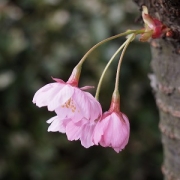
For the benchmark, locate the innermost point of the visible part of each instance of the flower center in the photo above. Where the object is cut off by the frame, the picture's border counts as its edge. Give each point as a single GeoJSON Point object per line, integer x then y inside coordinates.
{"type": "Point", "coordinates": [70, 105]}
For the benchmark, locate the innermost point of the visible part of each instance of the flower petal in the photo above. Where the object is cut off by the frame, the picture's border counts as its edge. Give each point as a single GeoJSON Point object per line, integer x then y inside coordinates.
{"type": "Point", "coordinates": [60, 97]}
{"type": "Point", "coordinates": [99, 131]}
{"type": "Point", "coordinates": [58, 124]}
{"type": "Point", "coordinates": [87, 104]}
{"type": "Point", "coordinates": [73, 131]}
{"type": "Point", "coordinates": [87, 135]}
{"type": "Point", "coordinates": [44, 95]}
{"type": "Point", "coordinates": [51, 120]}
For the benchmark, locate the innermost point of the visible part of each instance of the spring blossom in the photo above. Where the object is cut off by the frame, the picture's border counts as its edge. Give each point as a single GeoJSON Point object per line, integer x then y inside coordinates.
{"type": "Point", "coordinates": [76, 110]}
{"type": "Point", "coordinates": [112, 130]}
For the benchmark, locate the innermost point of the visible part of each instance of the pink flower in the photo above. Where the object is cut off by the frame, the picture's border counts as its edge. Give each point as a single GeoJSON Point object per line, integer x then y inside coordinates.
{"type": "Point", "coordinates": [67, 100]}
{"type": "Point", "coordinates": [81, 130]}
{"type": "Point", "coordinates": [112, 130]}
{"type": "Point", "coordinates": [76, 110]}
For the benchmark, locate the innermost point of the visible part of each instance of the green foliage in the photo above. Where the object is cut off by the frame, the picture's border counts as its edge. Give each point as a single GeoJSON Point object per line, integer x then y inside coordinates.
{"type": "Point", "coordinates": [44, 38]}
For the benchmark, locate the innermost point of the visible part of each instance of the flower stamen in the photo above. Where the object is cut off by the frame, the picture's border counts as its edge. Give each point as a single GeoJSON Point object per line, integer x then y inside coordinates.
{"type": "Point", "coordinates": [70, 105]}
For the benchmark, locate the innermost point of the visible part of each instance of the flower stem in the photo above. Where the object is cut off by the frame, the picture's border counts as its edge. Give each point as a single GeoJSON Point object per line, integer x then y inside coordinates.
{"type": "Point", "coordinates": [105, 69]}
{"type": "Point", "coordinates": [131, 38]}
{"type": "Point", "coordinates": [108, 39]}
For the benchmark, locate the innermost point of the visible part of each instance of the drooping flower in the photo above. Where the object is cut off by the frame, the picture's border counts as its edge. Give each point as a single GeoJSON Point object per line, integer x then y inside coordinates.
{"type": "Point", "coordinates": [76, 109]}
{"type": "Point", "coordinates": [81, 130]}
{"type": "Point", "coordinates": [112, 130]}
{"type": "Point", "coordinates": [67, 100]}
{"type": "Point", "coordinates": [153, 27]}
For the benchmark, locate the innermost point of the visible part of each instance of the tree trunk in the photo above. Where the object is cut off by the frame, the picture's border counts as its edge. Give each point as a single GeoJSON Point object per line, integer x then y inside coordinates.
{"type": "Point", "coordinates": [166, 81]}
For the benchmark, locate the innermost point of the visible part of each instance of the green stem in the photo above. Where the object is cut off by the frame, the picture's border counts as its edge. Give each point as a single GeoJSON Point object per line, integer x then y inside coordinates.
{"type": "Point", "coordinates": [116, 89]}
{"type": "Point", "coordinates": [105, 69]}
{"type": "Point", "coordinates": [108, 39]}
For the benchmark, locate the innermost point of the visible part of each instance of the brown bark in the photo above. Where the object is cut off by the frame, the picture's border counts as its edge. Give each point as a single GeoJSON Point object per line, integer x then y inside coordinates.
{"type": "Point", "coordinates": [166, 85]}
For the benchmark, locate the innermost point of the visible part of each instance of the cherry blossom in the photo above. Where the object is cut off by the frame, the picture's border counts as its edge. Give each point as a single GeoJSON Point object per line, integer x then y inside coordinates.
{"type": "Point", "coordinates": [67, 100]}
{"type": "Point", "coordinates": [112, 130]}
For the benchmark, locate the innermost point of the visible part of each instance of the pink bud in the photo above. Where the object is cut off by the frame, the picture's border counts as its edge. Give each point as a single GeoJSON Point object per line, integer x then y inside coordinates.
{"type": "Point", "coordinates": [153, 27]}
{"type": "Point", "coordinates": [112, 130]}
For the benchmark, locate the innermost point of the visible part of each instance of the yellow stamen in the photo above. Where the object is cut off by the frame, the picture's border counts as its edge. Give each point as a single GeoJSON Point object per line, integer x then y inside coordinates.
{"type": "Point", "coordinates": [70, 105]}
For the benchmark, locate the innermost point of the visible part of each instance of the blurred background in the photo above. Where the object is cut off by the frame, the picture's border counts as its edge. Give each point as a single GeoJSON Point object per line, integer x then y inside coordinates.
{"type": "Point", "coordinates": [44, 38]}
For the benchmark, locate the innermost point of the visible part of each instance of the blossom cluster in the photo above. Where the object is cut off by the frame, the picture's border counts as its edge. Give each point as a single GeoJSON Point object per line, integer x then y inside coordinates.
{"type": "Point", "coordinates": [79, 114]}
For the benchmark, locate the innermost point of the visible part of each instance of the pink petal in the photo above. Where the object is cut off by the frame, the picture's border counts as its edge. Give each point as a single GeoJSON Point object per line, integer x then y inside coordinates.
{"type": "Point", "coordinates": [87, 104]}
{"type": "Point", "coordinates": [51, 120]}
{"type": "Point", "coordinates": [99, 131]}
{"type": "Point", "coordinates": [58, 124]}
{"type": "Point", "coordinates": [87, 135]}
{"type": "Point", "coordinates": [95, 107]}
{"type": "Point", "coordinates": [126, 129]}
{"type": "Point", "coordinates": [63, 112]}
{"type": "Point", "coordinates": [113, 125]}
{"type": "Point", "coordinates": [114, 134]}
{"type": "Point", "coordinates": [73, 131]}
{"type": "Point", "coordinates": [117, 149]}
{"type": "Point", "coordinates": [60, 97]}
{"type": "Point", "coordinates": [44, 95]}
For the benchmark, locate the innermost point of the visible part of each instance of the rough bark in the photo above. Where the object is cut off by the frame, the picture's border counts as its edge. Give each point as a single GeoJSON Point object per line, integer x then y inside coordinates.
{"type": "Point", "coordinates": [166, 81]}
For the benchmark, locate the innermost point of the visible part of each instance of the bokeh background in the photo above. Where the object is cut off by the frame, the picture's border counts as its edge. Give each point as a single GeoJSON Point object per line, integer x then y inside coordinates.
{"type": "Point", "coordinates": [44, 38]}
